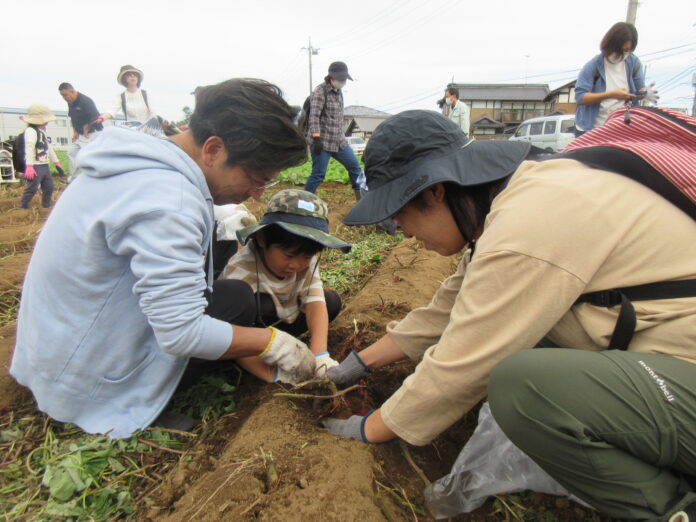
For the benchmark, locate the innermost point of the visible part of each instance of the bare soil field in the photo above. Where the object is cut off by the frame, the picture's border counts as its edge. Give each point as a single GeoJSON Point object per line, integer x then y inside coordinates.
{"type": "Point", "coordinates": [270, 459]}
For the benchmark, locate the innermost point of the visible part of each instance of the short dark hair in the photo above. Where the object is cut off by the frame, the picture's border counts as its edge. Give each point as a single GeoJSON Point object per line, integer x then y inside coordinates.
{"type": "Point", "coordinates": [453, 91]}
{"type": "Point", "coordinates": [65, 86]}
{"type": "Point", "coordinates": [297, 245]}
{"type": "Point", "coordinates": [254, 122]}
{"type": "Point", "coordinates": [616, 37]}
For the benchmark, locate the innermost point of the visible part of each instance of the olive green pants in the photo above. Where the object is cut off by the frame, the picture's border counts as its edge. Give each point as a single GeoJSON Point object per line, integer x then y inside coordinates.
{"type": "Point", "coordinates": [617, 429]}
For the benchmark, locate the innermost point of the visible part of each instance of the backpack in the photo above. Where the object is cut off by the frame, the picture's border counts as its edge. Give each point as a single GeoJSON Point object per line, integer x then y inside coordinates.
{"type": "Point", "coordinates": [123, 102]}
{"type": "Point", "coordinates": [303, 119]}
{"type": "Point", "coordinates": [18, 153]}
{"type": "Point", "coordinates": [657, 148]}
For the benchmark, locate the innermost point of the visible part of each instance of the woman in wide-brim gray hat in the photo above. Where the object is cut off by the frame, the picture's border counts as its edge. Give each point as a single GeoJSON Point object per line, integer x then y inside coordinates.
{"type": "Point", "coordinates": [545, 232]}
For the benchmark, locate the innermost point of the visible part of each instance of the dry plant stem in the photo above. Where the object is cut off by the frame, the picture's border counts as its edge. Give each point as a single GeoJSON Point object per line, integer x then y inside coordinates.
{"type": "Point", "coordinates": [379, 501]}
{"type": "Point", "coordinates": [400, 500]}
{"type": "Point", "coordinates": [508, 508]}
{"type": "Point", "coordinates": [403, 492]}
{"type": "Point", "coordinates": [224, 483]}
{"type": "Point", "coordinates": [157, 446]}
{"type": "Point", "coordinates": [409, 459]}
{"type": "Point", "coordinates": [171, 430]}
{"type": "Point", "coordinates": [310, 396]}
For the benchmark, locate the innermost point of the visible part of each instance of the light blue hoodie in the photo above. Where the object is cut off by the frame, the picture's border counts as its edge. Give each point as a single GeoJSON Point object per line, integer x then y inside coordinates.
{"type": "Point", "coordinates": [113, 301]}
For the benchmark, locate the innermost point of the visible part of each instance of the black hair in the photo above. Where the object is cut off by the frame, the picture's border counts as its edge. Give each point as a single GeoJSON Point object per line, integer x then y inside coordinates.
{"type": "Point", "coordinates": [124, 82]}
{"type": "Point", "coordinates": [297, 245]}
{"type": "Point", "coordinates": [253, 120]}
{"type": "Point", "coordinates": [65, 86]}
{"type": "Point", "coordinates": [616, 37]}
{"type": "Point", "coordinates": [453, 91]}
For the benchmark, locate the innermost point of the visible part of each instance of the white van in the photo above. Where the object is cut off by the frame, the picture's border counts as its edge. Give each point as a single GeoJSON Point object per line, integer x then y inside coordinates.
{"type": "Point", "coordinates": [551, 133]}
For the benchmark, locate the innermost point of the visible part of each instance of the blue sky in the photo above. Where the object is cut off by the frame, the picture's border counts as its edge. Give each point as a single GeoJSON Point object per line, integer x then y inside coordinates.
{"type": "Point", "coordinates": [401, 53]}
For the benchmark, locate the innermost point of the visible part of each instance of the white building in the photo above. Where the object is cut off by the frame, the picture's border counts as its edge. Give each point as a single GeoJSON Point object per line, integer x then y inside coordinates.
{"type": "Point", "coordinates": [59, 132]}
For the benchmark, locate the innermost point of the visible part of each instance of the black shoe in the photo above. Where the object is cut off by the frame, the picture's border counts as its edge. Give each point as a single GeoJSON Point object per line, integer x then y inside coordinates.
{"type": "Point", "coordinates": [174, 421]}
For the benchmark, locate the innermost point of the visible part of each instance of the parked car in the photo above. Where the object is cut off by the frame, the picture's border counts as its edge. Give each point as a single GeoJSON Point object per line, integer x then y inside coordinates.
{"type": "Point", "coordinates": [357, 144]}
{"type": "Point", "coordinates": [551, 133]}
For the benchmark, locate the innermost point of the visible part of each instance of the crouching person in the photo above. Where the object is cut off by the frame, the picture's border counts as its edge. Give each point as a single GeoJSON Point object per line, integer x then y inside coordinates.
{"type": "Point", "coordinates": [104, 344]}
{"type": "Point", "coordinates": [612, 422]}
{"type": "Point", "coordinates": [280, 265]}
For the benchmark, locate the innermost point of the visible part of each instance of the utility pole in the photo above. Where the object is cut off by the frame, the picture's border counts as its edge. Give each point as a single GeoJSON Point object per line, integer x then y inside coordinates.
{"type": "Point", "coordinates": [631, 13]}
{"type": "Point", "coordinates": [311, 51]}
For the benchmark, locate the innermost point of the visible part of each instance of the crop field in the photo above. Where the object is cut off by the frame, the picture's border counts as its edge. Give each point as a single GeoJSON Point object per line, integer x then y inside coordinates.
{"type": "Point", "coordinates": [257, 451]}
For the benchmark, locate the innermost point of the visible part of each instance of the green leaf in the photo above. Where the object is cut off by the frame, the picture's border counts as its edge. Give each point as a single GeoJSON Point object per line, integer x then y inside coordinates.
{"type": "Point", "coordinates": [61, 485]}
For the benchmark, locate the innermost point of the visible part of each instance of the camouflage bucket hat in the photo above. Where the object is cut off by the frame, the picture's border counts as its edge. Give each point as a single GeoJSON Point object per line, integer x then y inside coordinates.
{"type": "Point", "coordinates": [301, 213]}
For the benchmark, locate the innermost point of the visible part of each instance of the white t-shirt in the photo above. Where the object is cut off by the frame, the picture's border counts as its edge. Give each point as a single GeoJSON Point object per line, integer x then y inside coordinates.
{"type": "Point", "coordinates": [615, 74]}
{"type": "Point", "coordinates": [136, 109]}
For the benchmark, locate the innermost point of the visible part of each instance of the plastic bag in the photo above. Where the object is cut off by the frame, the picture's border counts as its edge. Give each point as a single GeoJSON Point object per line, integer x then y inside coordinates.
{"type": "Point", "coordinates": [231, 218]}
{"type": "Point", "coordinates": [489, 464]}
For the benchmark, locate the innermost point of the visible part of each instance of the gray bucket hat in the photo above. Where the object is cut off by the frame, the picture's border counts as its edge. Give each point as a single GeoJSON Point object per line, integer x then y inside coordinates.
{"type": "Point", "coordinates": [301, 213]}
{"type": "Point", "coordinates": [413, 150]}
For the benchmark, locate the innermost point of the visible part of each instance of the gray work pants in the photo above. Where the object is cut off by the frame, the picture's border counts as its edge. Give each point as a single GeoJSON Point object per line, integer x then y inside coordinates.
{"type": "Point", "coordinates": [617, 429]}
{"type": "Point", "coordinates": [42, 179]}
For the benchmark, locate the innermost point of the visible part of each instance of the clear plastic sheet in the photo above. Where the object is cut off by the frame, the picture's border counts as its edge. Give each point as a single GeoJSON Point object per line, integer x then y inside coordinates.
{"type": "Point", "coordinates": [489, 464]}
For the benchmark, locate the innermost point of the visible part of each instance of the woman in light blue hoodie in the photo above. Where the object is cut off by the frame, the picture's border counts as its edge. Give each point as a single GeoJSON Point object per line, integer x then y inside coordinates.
{"type": "Point", "coordinates": [104, 342]}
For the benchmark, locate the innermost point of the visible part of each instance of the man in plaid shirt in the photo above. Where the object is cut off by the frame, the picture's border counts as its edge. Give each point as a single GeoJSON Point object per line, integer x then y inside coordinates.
{"type": "Point", "coordinates": [325, 133]}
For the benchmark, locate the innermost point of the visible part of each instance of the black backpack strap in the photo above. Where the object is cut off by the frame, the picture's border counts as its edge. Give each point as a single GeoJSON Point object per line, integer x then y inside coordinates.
{"type": "Point", "coordinates": [123, 105]}
{"type": "Point", "coordinates": [626, 322]}
{"type": "Point", "coordinates": [145, 98]}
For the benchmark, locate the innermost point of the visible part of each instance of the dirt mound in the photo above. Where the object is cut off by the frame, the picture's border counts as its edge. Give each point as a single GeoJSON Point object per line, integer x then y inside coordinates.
{"type": "Point", "coordinates": [282, 466]}
{"type": "Point", "coordinates": [319, 475]}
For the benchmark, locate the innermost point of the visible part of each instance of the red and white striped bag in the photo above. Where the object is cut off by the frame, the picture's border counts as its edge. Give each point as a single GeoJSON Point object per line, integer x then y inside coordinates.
{"type": "Point", "coordinates": [663, 138]}
{"type": "Point", "coordinates": [656, 147]}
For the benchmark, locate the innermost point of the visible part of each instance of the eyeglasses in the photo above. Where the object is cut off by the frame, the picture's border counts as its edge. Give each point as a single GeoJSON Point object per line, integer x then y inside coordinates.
{"type": "Point", "coordinates": [265, 185]}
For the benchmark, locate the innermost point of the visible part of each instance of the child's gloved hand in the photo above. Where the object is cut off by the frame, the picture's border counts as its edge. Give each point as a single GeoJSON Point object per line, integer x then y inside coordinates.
{"type": "Point", "coordinates": [349, 372]}
{"type": "Point", "coordinates": [323, 363]}
{"type": "Point", "coordinates": [30, 172]}
{"type": "Point", "coordinates": [290, 355]}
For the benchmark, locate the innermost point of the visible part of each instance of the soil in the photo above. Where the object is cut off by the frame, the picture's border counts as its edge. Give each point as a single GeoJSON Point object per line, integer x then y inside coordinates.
{"type": "Point", "coordinates": [271, 460]}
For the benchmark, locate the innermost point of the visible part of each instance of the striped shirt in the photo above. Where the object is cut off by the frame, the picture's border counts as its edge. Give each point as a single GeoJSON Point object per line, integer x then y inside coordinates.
{"type": "Point", "coordinates": [326, 117]}
{"type": "Point", "coordinates": [289, 295]}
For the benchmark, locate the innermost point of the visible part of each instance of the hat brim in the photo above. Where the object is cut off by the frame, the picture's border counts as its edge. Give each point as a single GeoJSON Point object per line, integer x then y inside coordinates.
{"type": "Point", "coordinates": [324, 239]}
{"type": "Point", "coordinates": [121, 74]}
{"type": "Point", "coordinates": [341, 76]}
{"type": "Point", "coordinates": [475, 163]}
{"type": "Point", "coordinates": [38, 121]}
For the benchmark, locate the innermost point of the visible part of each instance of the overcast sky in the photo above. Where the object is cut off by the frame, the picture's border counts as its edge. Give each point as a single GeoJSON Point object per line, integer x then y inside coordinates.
{"type": "Point", "coordinates": [400, 53]}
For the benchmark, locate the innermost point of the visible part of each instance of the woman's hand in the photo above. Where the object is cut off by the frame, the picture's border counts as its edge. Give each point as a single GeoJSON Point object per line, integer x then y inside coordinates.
{"type": "Point", "coordinates": [369, 428]}
{"type": "Point", "coordinates": [620, 94]}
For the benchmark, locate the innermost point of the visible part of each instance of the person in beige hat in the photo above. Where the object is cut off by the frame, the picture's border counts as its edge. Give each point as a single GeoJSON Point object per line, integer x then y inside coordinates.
{"type": "Point", "coordinates": [133, 103]}
{"type": "Point", "coordinates": [37, 152]}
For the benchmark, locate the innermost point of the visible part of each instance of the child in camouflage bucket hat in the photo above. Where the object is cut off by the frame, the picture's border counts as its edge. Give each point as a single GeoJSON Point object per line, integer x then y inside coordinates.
{"type": "Point", "coordinates": [281, 265]}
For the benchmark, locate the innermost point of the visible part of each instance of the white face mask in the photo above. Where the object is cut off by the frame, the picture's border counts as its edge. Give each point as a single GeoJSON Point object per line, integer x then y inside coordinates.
{"type": "Point", "coordinates": [338, 85]}
{"type": "Point", "coordinates": [448, 101]}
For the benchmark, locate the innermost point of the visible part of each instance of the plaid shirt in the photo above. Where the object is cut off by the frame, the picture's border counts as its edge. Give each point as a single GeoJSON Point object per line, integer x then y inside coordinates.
{"type": "Point", "coordinates": [326, 117]}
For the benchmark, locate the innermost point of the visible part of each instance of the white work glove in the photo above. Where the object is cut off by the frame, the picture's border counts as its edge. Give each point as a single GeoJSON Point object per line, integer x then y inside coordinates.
{"type": "Point", "coordinates": [323, 363]}
{"type": "Point", "coordinates": [650, 96]}
{"type": "Point", "coordinates": [290, 355]}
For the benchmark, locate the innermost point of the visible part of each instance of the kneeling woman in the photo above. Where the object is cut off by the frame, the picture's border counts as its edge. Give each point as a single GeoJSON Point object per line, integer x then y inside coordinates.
{"type": "Point", "coordinates": [614, 427]}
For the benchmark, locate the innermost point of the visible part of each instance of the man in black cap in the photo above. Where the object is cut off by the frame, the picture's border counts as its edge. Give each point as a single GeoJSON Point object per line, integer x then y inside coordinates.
{"type": "Point", "coordinates": [325, 132]}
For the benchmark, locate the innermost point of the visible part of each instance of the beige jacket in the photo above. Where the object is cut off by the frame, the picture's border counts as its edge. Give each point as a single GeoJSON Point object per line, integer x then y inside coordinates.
{"type": "Point", "coordinates": [559, 229]}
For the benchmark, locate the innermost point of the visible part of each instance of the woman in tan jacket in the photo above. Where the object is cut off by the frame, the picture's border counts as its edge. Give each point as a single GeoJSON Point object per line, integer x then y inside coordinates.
{"type": "Point", "coordinates": [614, 426]}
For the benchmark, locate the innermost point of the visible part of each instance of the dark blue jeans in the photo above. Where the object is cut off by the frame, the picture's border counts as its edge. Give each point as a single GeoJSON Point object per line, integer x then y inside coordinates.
{"type": "Point", "coordinates": [345, 157]}
{"type": "Point", "coordinates": [42, 179]}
